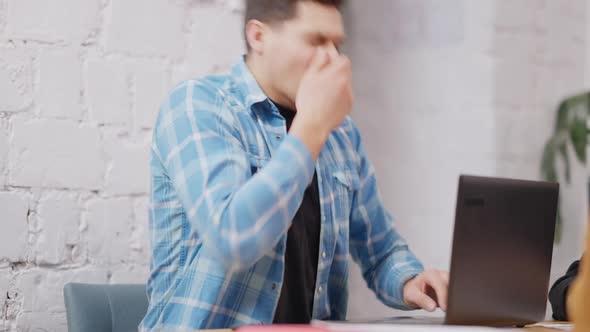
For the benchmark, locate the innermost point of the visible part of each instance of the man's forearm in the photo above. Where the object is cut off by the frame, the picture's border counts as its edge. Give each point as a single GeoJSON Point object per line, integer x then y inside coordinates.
{"type": "Point", "coordinates": [253, 219]}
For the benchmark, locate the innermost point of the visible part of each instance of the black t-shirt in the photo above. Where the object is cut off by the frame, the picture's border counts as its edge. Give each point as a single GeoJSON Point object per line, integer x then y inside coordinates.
{"type": "Point", "coordinates": [559, 292]}
{"type": "Point", "coordinates": [301, 254]}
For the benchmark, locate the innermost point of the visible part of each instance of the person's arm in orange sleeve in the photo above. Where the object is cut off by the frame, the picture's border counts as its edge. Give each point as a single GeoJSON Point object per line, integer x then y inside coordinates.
{"type": "Point", "coordinates": [578, 301]}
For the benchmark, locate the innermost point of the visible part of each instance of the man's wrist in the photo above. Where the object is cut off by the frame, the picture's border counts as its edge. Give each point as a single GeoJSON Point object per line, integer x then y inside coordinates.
{"type": "Point", "coordinates": [406, 284]}
{"type": "Point", "coordinates": [313, 136]}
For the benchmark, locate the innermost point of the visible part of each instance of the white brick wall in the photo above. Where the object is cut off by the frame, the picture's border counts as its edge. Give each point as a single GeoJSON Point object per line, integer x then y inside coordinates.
{"type": "Point", "coordinates": [147, 28]}
{"type": "Point", "coordinates": [69, 21]}
{"type": "Point", "coordinates": [55, 154]}
{"type": "Point", "coordinates": [58, 227]}
{"type": "Point", "coordinates": [109, 219]}
{"type": "Point", "coordinates": [587, 71]}
{"type": "Point", "coordinates": [80, 86]}
{"type": "Point", "coordinates": [462, 86]}
{"type": "Point", "coordinates": [3, 150]}
{"type": "Point", "coordinates": [15, 79]}
{"type": "Point", "coordinates": [14, 235]}
{"type": "Point", "coordinates": [60, 84]}
{"type": "Point", "coordinates": [108, 91]}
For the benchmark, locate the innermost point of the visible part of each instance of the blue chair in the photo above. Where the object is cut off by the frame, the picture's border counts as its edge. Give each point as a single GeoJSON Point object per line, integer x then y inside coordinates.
{"type": "Point", "coordinates": [114, 308]}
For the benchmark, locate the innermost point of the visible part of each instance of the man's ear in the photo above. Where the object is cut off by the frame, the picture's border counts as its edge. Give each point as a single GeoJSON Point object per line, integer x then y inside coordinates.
{"type": "Point", "coordinates": [255, 35]}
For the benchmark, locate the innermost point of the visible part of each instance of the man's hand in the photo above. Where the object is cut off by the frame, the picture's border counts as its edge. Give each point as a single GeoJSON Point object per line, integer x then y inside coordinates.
{"type": "Point", "coordinates": [324, 98]}
{"type": "Point", "coordinates": [428, 290]}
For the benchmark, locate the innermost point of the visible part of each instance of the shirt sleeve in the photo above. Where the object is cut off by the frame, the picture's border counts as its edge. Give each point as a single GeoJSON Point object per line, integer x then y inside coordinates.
{"type": "Point", "coordinates": [383, 255]}
{"type": "Point", "coordinates": [239, 216]}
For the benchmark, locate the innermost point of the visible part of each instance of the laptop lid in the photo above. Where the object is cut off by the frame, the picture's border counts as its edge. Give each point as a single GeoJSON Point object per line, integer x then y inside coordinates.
{"type": "Point", "coordinates": [502, 249]}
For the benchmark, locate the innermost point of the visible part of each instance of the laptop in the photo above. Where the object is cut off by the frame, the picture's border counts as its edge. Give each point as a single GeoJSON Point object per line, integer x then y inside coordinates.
{"type": "Point", "coordinates": [501, 253]}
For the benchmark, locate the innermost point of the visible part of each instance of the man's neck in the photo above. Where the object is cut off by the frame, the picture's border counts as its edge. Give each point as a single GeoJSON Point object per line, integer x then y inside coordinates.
{"type": "Point", "coordinates": [263, 81]}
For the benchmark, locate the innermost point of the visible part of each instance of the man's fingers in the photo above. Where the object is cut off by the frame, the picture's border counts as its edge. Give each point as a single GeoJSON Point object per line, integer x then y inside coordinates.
{"type": "Point", "coordinates": [440, 288]}
{"type": "Point", "coordinates": [320, 60]}
{"type": "Point", "coordinates": [332, 52]}
{"type": "Point", "coordinates": [423, 301]}
{"type": "Point", "coordinates": [445, 277]}
{"type": "Point", "coordinates": [342, 64]}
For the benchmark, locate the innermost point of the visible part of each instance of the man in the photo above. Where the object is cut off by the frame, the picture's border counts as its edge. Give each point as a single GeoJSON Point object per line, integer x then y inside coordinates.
{"type": "Point", "coordinates": [261, 188]}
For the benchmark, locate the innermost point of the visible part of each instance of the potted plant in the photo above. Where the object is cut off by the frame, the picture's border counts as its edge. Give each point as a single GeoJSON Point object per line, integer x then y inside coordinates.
{"type": "Point", "coordinates": [571, 127]}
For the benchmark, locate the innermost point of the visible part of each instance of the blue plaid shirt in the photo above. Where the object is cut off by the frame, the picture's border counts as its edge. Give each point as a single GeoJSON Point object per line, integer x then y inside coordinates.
{"type": "Point", "coordinates": [227, 180]}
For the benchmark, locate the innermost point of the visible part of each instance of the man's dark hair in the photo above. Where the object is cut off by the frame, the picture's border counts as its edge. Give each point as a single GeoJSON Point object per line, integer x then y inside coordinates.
{"type": "Point", "coordinates": [277, 11]}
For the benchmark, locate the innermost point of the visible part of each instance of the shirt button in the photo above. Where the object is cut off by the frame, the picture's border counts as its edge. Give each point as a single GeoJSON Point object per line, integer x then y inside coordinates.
{"type": "Point", "coordinates": [324, 254]}
{"type": "Point", "coordinates": [278, 136]}
{"type": "Point", "coordinates": [319, 289]}
{"type": "Point", "coordinates": [274, 286]}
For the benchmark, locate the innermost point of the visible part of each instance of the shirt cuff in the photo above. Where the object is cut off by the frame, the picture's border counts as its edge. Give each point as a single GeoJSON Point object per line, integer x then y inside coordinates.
{"type": "Point", "coordinates": [300, 155]}
{"type": "Point", "coordinates": [399, 276]}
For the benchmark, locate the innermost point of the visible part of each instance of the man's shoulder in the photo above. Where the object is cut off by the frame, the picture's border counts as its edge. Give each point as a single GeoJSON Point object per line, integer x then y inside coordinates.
{"type": "Point", "coordinates": [209, 94]}
{"type": "Point", "coordinates": [211, 88]}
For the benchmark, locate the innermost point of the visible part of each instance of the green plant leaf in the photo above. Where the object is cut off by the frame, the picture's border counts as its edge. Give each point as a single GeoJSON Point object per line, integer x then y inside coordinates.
{"type": "Point", "coordinates": [566, 160]}
{"type": "Point", "coordinates": [548, 170]}
{"type": "Point", "coordinates": [579, 137]}
{"type": "Point", "coordinates": [561, 122]}
{"type": "Point", "coordinates": [570, 125]}
{"type": "Point", "coordinates": [558, 227]}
